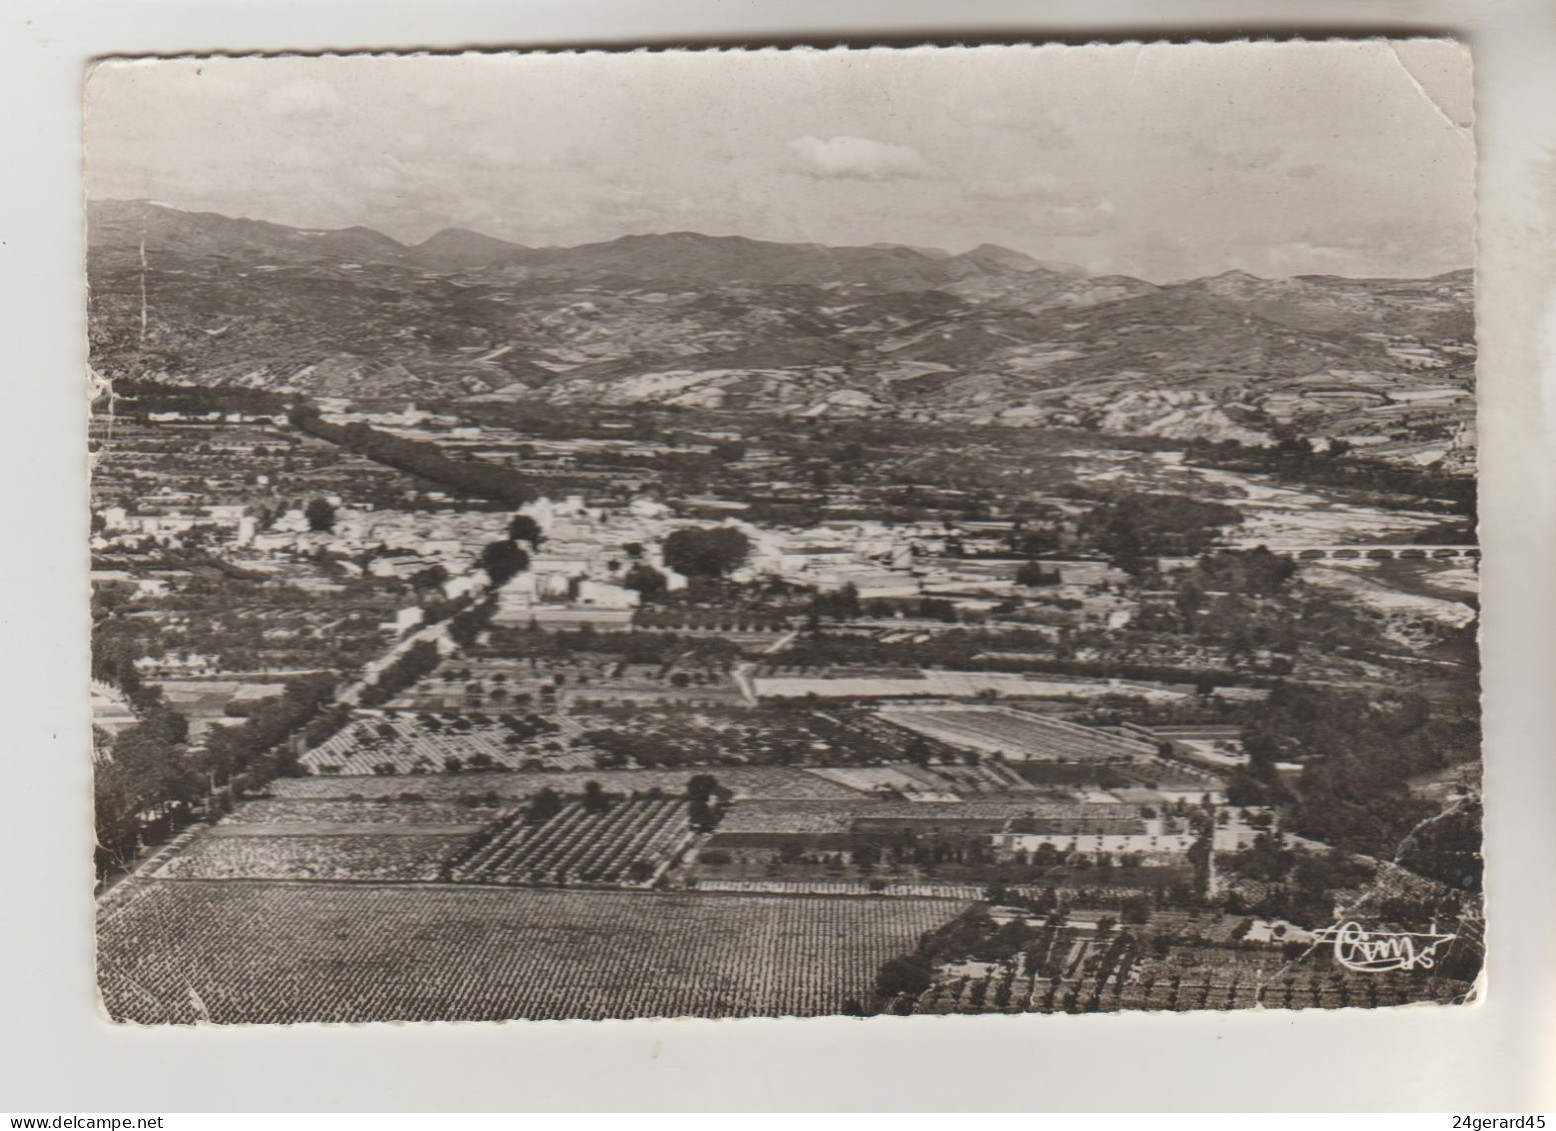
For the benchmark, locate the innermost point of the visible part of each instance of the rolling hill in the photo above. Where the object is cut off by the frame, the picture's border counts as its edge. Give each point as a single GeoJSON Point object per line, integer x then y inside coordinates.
{"type": "Point", "coordinates": [990, 335]}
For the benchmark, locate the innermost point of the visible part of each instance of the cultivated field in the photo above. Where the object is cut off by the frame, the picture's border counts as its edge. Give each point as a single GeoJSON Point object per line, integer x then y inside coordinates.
{"type": "Point", "coordinates": [375, 743]}
{"type": "Point", "coordinates": [265, 952]}
{"type": "Point", "coordinates": [877, 814]}
{"type": "Point", "coordinates": [775, 782]}
{"type": "Point", "coordinates": [900, 778]}
{"type": "Point", "coordinates": [1016, 734]}
{"type": "Point", "coordinates": [334, 856]}
{"type": "Point", "coordinates": [379, 811]}
{"type": "Point", "coordinates": [936, 780]}
{"type": "Point", "coordinates": [422, 742]}
{"type": "Point", "coordinates": [525, 681]}
{"type": "Point", "coordinates": [631, 843]}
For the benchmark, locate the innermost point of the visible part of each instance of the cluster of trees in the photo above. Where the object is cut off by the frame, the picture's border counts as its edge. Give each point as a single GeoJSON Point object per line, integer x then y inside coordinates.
{"type": "Point", "coordinates": [968, 649]}
{"type": "Point", "coordinates": [844, 604]}
{"type": "Point", "coordinates": [143, 778]}
{"type": "Point", "coordinates": [417, 661]}
{"type": "Point", "coordinates": [629, 647]}
{"type": "Point", "coordinates": [1266, 859]}
{"type": "Point", "coordinates": [1359, 753]}
{"type": "Point", "coordinates": [1239, 625]}
{"type": "Point", "coordinates": [567, 422]}
{"type": "Point", "coordinates": [1242, 788]}
{"type": "Point", "coordinates": [258, 751]}
{"type": "Point", "coordinates": [976, 936]}
{"type": "Point", "coordinates": [1258, 572]}
{"type": "Point", "coordinates": [706, 553]}
{"type": "Point", "coordinates": [469, 476]}
{"type": "Point", "coordinates": [147, 785]}
{"type": "Point", "coordinates": [837, 604]}
{"type": "Point", "coordinates": [466, 626]}
{"type": "Point", "coordinates": [116, 645]}
{"type": "Point", "coordinates": [1299, 886]}
{"type": "Point", "coordinates": [1448, 848]}
{"type": "Point", "coordinates": [969, 858]}
{"type": "Point", "coordinates": [1245, 602]}
{"type": "Point", "coordinates": [647, 581]}
{"type": "Point", "coordinates": [140, 396]}
{"type": "Point", "coordinates": [906, 976]}
{"type": "Point", "coordinates": [1136, 527]}
{"type": "Point", "coordinates": [648, 750]}
{"type": "Point", "coordinates": [503, 560]}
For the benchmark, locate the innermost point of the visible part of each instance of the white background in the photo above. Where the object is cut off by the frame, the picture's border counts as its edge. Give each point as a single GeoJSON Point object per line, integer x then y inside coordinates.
{"type": "Point", "coordinates": [58, 1056]}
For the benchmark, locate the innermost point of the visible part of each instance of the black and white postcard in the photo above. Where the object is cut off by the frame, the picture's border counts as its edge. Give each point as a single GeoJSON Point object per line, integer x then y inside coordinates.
{"type": "Point", "coordinates": [784, 533]}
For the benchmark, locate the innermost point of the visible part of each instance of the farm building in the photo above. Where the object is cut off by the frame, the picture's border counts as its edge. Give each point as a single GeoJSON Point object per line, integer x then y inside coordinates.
{"type": "Point", "coordinates": [1158, 840]}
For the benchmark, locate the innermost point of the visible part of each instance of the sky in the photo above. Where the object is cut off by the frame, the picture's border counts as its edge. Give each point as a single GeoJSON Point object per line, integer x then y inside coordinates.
{"type": "Point", "coordinates": [1160, 161]}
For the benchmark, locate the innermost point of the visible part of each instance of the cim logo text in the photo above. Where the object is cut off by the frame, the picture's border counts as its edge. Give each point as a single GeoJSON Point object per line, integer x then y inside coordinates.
{"type": "Point", "coordinates": [1374, 952]}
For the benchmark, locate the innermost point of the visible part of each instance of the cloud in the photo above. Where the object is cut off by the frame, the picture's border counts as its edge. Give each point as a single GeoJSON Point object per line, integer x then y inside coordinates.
{"type": "Point", "coordinates": [860, 159]}
{"type": "Point", "coordinates": [1042, 203]}
{"type": "Point", "coordinates": [1075, 219]}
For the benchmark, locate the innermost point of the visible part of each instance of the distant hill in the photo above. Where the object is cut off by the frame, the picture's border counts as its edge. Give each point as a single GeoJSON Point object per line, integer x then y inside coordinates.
{"type": "Point", "coordinates": [932, 252]}
{"type": "Point", "coordinates": [688, 257]}
{"type": "Point", "coordinates": [129, 223]}
{"type": "Point", "coordinates": [1004, 259]}
{"type": "Point", "coordinates": [459, 248]}
{"type": "Point", "coordinates": [990, 335]}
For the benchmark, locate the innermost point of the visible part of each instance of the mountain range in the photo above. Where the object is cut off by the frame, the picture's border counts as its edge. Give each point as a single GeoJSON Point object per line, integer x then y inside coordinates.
{"type": "Point", "coordinates": [989, 335]}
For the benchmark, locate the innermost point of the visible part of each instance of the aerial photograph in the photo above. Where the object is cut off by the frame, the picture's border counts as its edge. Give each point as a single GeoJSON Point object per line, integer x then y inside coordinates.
{"type": "Point", "coordinates": [789, 533]}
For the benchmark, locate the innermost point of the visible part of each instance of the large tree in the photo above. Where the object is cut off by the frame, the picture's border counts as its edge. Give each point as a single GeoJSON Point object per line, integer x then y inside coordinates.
{"type": "Point", "coordinates": [645, 579]}
{"type": "Point", "coordinates": [594, 798]}
{"type": "Point", "coordinates": [320, 514]}
{"type": "Point", "coordinates": [543, 806]}
{"type": "Point", "coordinates": [706, 553]}
{"type": "Point", "coordinates": [503, 561]}
{"type": "Point", "coordinates": [523, 528]}
{"type": "Point", "coordinates": [911, 974]}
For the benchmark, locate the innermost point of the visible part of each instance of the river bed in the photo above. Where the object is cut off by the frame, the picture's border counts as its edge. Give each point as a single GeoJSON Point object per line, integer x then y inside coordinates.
{"type": "Point", "coordinates": [1288, 518]}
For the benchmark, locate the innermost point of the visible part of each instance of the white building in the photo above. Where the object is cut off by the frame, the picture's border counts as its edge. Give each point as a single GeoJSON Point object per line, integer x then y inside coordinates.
{"type": "Point", "coordinates": [1154, 841]}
